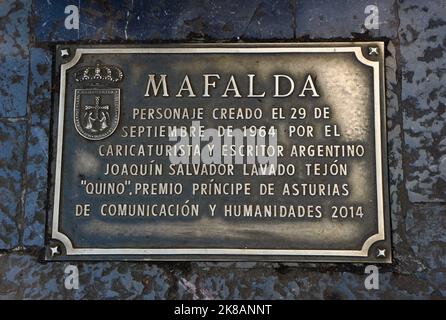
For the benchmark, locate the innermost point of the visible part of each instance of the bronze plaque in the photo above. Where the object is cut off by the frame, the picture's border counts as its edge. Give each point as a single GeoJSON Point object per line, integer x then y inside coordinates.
{"type": "Point", "coordinates": [220, 152]}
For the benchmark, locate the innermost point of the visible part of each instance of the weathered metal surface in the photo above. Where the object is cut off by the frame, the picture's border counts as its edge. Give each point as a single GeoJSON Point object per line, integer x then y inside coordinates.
{"type": "Point", "coordinates": [320, 106]}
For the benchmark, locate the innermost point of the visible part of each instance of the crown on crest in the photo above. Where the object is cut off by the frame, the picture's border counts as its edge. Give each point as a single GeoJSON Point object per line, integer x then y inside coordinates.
{"type": "Point", "coordinates": [99, 73]}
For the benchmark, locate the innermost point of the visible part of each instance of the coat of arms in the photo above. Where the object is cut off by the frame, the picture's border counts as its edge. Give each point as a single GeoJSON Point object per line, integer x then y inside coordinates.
{"type": "Point", "coordinates": [97, 110]}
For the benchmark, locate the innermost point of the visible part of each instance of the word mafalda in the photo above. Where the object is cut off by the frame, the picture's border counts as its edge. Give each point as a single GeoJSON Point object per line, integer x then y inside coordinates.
{"type": "Point", "coordinates": [284, 86]}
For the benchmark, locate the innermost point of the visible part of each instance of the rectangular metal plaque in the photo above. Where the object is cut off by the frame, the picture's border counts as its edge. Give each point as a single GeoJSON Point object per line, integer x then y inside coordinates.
{"type": "Point", "coordinates": [220, 152]}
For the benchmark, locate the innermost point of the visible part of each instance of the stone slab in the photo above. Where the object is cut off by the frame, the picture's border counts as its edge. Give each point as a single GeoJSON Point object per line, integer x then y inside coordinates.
{"type": "Point", "coordinates": [38, 148]}
{"type": "Point", "coordinates": [12, 146]}
{"type": "Point", "coordinates": [423, 49]}
{"type": "Point", "coordinates": [167, 20]}
{"type": "Point", "coordinates": [14, 57]}
{"type": "Point", "coordinates": [319, 19]}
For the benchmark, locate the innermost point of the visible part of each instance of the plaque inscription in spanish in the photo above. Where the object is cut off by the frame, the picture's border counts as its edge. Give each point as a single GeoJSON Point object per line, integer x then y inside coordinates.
{"type": "Point", "coordinates": [220, 152]}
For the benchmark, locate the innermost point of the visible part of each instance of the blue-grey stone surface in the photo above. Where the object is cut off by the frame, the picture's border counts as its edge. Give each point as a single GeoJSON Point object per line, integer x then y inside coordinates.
{"type": "Point", "coordinates": [423, 58]}
{"type": "Point", "coordinates": [12, 152]}
{"type": "Point", "coordinates": [167, 20]}
{"type": "Point", "coordinates": [39, 96]}
{"type": "Point", "coordinates": [425, 226]}
{"type": "Point", "coordinates": [321, 19]}
{"type": "Point", "coordinates": [415, 34]}
{"type": "Point", "coordinates": [49, 21]}
{"type": "Point", "coordinates": [25, 277]}
{"type": "Point", "coordinates": [14, 42]}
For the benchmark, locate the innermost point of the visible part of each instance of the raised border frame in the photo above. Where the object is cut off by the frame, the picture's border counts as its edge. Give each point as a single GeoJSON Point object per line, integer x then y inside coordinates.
{"type": "Point", "coordinates": [362, 255]}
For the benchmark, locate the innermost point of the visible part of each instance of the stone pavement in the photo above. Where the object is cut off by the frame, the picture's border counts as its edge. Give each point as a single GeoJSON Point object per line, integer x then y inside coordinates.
{"type": "Point", "coordinates": [415, 32]}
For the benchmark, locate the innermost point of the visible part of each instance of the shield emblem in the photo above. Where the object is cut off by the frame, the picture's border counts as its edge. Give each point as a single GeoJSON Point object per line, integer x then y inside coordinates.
{"type": "Point", "coordinates": [96, 112]}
